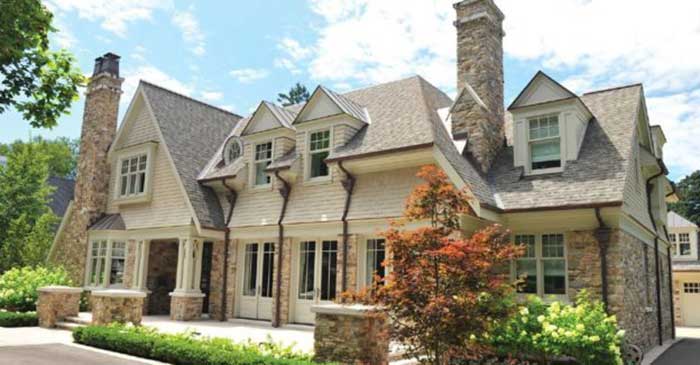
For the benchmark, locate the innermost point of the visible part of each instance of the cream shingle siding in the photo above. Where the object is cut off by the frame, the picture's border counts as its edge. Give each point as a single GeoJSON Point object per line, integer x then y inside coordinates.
{"type": "Point", "coordinates": [167, 206]}
{"type": "Point", "coordinates": [634, 195]}
{"type": "Point", "coordinates": [382, 194]}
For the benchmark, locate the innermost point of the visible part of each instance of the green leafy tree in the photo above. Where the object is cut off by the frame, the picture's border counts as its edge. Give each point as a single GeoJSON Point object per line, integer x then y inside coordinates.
{"type": "Point", "coordinates": [26, 222]}
{"type": "Point", "coordinates": [444, 289]}
{"type": "Point", "coordinates": [39, 83]}
{"type": "Point", "coordinates": [689, 191]}
{"type": "Point", "coordinates": [62, 153]}
{"type": "Point", "coordinates": [297, 94]}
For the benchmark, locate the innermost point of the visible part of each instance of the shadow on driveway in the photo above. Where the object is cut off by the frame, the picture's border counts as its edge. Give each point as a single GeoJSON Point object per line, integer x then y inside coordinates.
{"type": "Point", "coordinates": [58, 354]}
{"type": "Point", "coordinates": [684, 352]}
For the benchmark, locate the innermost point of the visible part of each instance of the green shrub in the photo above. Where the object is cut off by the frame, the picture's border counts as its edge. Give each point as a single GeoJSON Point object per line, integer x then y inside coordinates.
{"type": "Point", "coordinates": [18, 286]}
{"type": "Point", "coordinates": [18, 319]}
{"type": "Point", "coordinates": [186, 348]}
{"type": "Point", "coordinates": [545, 331]}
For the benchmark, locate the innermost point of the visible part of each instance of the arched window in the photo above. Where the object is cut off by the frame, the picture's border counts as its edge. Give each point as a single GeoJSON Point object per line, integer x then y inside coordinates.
{"type": "Point", "coordinates": [233, 150]}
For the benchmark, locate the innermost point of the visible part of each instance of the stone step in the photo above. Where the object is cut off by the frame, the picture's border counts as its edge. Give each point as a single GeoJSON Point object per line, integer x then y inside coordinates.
{"type": "Point", "coordinates": [68, 326]}
{"type": "Point", "coordinates": [77, 320]}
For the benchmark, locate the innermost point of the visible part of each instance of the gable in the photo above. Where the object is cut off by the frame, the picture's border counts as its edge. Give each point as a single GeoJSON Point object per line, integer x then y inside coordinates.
{"type": "Point", "coordinates": [320, 105]}
{"type": "Point", "coordinates": [266, 117]}
{"type": "Point", "coordinates": [137, 126]}
{"type": "Point", "coordinates": [541, 89]}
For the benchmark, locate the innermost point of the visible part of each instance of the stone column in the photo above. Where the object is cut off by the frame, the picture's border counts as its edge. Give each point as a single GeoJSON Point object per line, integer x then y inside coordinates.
{"type": "Point", "coordinates": [286, 275]}
{"type": "Point", "coordinates": [350, 334]}
{"type": "Point", "coordinates": [56, 303]}
{"type": "Point", "coordinates": [117, 305]}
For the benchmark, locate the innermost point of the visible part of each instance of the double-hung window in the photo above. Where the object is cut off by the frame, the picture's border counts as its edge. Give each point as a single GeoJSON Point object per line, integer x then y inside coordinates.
{"type": "Point", "coordinates": [375, 256]}
{"type": "Point", "coordinates": [132, 176]}
{"type": "Point", "coordinates": [106, 263]}
{"type": "Point", "coordinates": [263, 157]}
{"type": "Point", "coordinates": [683, 244]}
{"type": "Point", "coordinates": [543, 265]}
{"type": "Point", "coordinates": [319, 148]}
{"type": "Point", "coordinates": [674, 243]}
{"type": "Point", "coordinates": [544, 142]}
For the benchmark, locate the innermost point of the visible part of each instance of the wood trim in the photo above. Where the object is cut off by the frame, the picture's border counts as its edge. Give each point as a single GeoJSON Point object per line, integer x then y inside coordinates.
{"type": "Point", "coordinates": [379, 153]}
{"type": "Point", "coordinates": [556, 207]}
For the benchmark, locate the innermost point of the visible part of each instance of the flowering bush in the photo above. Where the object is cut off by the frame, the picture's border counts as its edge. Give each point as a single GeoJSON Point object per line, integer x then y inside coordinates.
{"type": "Point", "coordinates": [545, 331]}
{"type": "Point", "coordinates": [18, 286]}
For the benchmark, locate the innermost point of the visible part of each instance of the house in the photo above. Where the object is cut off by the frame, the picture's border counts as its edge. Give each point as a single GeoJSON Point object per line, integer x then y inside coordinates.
{"type": "Point", "coordinates": [62, 195]}
{"type": "Point", "coordinates": [683, 236]}
{"type": "Point", "coordinates": [264, 216]}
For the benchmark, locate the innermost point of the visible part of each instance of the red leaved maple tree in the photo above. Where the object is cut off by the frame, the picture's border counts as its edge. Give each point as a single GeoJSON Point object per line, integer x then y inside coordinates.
{"type": "Point", "coordinates": [443, 288]}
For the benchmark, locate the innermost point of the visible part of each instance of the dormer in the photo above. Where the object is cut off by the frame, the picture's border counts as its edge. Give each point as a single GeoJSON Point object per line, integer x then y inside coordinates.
{"type": "Point", "coordinates": [268, 136]}
{"type": "Point", "coordinates": [327, 121]}
{"type": "Point", "coordinates": [549, 123]}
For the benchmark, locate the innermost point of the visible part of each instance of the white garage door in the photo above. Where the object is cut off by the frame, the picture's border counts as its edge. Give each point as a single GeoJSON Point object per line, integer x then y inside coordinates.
{"type": "Point", "coordinates": [690, 303]}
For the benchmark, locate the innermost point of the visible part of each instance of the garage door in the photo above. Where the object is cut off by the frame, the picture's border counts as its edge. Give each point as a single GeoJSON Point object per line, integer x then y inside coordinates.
{"type": "Point", "coordinates": [690, 303]}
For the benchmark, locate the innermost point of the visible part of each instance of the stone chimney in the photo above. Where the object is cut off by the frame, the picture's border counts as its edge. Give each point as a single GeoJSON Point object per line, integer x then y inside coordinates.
{"type": "Point", "coordinates": [477, 115]}
{"type": "Point", "coordinates": [92, 184]}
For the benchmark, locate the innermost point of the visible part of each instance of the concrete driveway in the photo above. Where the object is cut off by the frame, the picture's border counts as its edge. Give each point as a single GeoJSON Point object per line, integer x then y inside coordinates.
{"type": "Point", "coordinates": [685, 351]}
{"type": "Point", "coordinates": [59, 354]}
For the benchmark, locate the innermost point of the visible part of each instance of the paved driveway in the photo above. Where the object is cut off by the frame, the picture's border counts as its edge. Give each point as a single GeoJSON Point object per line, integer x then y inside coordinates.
{"type": "Point", "coordinates": [685, 351]}
{"type": "Point", "coordinates": [59, 354]}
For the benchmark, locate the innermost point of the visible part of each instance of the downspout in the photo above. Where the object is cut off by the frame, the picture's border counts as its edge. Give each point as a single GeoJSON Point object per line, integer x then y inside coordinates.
{"type": "Point", "coordinates": [670, 288]}
{"type": "Point", "coordinates": [348, 185]}
{"type": "Point", "coordinates": [602, 234]}
{"type": "Point", "coordinates": [227, 238]}
{"type": "Point", "coordinates": [659, 319]}
{"type": "Point", "coordinates": [284, 191]}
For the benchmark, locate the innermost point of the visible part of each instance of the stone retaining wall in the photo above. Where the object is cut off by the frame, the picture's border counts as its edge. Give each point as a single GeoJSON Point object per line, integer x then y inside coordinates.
{"type": "Point", "coordinates": [122, 306]}
{"type": "Point", "coordinates": [56, 303]}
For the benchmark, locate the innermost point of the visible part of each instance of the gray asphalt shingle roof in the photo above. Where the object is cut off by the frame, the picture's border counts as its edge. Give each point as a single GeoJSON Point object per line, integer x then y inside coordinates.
{"type": "Point", "coordinates": [193, 132]}
{"type": "Point", "coordinates": [64, 189]}
{"type": "Point", "coordinates": [599, 173]}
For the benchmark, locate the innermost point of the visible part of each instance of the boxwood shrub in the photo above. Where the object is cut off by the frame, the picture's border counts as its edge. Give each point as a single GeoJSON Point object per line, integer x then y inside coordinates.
{"type": "Point", "coordinates": [18, 319]}
{"type": "Point", "coordinates": [186, 348]}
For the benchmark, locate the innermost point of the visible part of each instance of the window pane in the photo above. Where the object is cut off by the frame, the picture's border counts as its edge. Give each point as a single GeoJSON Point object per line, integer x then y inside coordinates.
{"type": "Point", "coordinates": [545, 151]}
{"type": "Point", "coordinates": [141, 182]}
{"type": "Point", "coordinates": [672, 237]}
{"type": "Point", "coordinates": [375, 258]}
{"type": "Point", "coordinates": [267, 269]}
{"type": "Point", "coordinates": [553, 245]}
{"type": "Point", "coordinates": [685, 249]}
{"type": "Point", "coordinates": [329, 263]}
{"type": "Point", "coordinates": [319, 140]}
{"type": "Point", "coordinates": [132, 164]}
{"type": "Point", "coordinates": [132, 184]}
{"type": "Point", "coordinates": [529, 242]}
{"type": "Point", "coordinates": [307, 257]}
{"type": "Point", "coordinates": [250, 273]}
{"type": "Point", "coordinates": [526, 269]}
{"type": "Point", "coordinates": [118, 250]}
{"type": "Point", "coordinates": [261, 177]}
{"type": "Point", "coordinates": [263, 151]}
{"type": "Point", "coordinates": [318, 165]}
{"type": "Point", "coordinates": [116, 273]}
{"type": "Point", "coordinates": [554, 276]}
{"type": "Point", "coordinates": [123, 185]}
{"type": "Point", "coordinates": [142, 163]}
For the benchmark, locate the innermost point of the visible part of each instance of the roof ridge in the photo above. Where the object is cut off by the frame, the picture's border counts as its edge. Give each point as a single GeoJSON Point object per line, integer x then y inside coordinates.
{"type": "Point", "coordinates": [380, 84]}
{"type": "Point", "coordinates": [189, 98]}
{"type": "Point", "coordinates": [613, 88]}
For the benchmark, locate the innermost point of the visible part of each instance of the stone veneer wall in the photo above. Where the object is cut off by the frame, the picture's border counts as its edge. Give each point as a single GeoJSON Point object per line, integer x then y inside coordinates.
{"type": "Point", "coordinates": [56, 303]}
{"type": "Point", "coordinates": [285, 288]}
{"type": "Point", "coordinates": [231, 283]}
{"type": "Point", "coordinates": [351, 273]}
{"type": "Point", "coordinates": [186, 307]}
{"type": "Point", "coordinates": [118, 307]}
{"type": "Point", "coordinates": [631, 283]}
{"type": "Point", "coordinates": [216, 279]}
{"type": "Point", "coordinates": [130, 264]}
{"type": "Point", "coordinates": [351, 339]}
{"type": "Point", "coordinates": [162, 276]}
{"type": "Point", "coordinates": [92, 184]}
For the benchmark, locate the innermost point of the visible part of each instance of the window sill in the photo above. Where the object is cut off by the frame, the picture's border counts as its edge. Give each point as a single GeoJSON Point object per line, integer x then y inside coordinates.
{"type": "Point", "coordinates": [133, 199]}
{"type": "Point", "coordinates": [318, 180]}
{"type": "Point", "coordinates": [555, 170]}
{"type": "Point", "coordinates": [547, 298]}
{"type": "Point", "coordinates": [260, 188]}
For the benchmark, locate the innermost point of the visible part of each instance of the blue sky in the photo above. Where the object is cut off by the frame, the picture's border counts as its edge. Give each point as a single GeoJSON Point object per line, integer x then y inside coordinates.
{"type": "Point", "coordinates": [234, 53]}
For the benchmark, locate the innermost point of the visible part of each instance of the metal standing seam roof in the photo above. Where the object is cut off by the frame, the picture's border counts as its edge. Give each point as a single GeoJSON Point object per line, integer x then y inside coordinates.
{"type": "Point", "coordinates": [675, 220]}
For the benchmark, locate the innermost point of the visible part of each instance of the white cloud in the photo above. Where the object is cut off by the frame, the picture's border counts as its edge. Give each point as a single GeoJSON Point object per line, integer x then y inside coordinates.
{"type": "Point", "coordinates": [113, 16]}
{"type": "Point", "coordinates": [191, 32]}
{"type": "Point", "coordinates": [287, 64]}
{"type": "Point", "coordinates": [292, 48]}
{"type": "Point", "coordinates": [247, 75]}
{"type": "Point", "coordinates": [155, 76]}
{"type": "Point", "coordinates": [211, 95]}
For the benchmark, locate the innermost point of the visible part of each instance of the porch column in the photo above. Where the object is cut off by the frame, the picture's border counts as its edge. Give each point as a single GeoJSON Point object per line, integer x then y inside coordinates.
{"type": "Point", "coordinates": [197, 268]}
{"type": "Point", "coordinates": [141, 264]}
{"type": "Point", "coordinates": [186, 301]}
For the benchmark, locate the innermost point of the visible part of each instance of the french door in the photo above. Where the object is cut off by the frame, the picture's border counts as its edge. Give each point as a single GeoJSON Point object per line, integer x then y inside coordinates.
{"type": "Point", "coordinates": [257, 261]}
{"type": "Point", "coordinates": [316, 275]}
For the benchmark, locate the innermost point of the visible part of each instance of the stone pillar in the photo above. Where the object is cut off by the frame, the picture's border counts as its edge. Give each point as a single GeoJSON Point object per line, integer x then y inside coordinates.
{"type": "Point", "coordinates": [286, 275]}
{"type": "Point", "coordinates": [186, 306]}
{"type": "Point", "coordinates": [56, 303]}
{"type": "Point", "coordinates": [117, 305]}
{"type": "Point", "coordinates": [350, 334]}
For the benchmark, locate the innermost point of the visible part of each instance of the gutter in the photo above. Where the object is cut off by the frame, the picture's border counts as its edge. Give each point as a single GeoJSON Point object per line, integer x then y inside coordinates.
{"type": "Point", "coordinates": [602, 234]}
{"type": "Point", "coordinates": [348, 185]}
{"type": "Point", "coordinates": [659, 319]}
{"type": "Point", "coordinates": [227, 238]}
{"type": "Point", "coordinates": [284, 191]}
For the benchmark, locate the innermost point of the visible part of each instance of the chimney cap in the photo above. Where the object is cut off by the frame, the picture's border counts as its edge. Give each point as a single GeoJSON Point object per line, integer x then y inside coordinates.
{"type": "Point", "coordinates": [107, 63]}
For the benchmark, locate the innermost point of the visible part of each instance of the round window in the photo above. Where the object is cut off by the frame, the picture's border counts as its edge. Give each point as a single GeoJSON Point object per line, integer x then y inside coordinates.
{"type": "Point", "coordinates": [233, 150]}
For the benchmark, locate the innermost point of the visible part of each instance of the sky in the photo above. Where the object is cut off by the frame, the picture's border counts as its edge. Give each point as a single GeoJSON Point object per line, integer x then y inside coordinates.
{"type": "Point", "coordinates": [233, 54]}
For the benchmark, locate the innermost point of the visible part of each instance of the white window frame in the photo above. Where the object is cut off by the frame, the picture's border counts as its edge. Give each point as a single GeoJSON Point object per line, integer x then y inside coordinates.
{"type": "Point", "coordinates": [149, 151]}
{"type": "Point", "coordinates": [362, 260]}
{"type": "Point", "coordinates": [309, 152]}
{"type": "Point", "coordinates": [105, 264]}
{"type": "Point", "coordinates": [125, 178]}
{"type": "Point", "coordinates": [675, 241]}
{"type": "Point", "coordinates": [253, 179]}
{"type": "Point", "coordinates": [531, 141]}
{"type": "Point", "coordinates": [233, 141]}
{"type": "Point", "coordinates": [539, 259]}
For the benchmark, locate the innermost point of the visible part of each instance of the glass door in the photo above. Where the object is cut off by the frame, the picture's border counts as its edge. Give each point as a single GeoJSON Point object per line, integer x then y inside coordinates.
{"type": "Point", "coordinates": [316, 277]}
{"type": "Point", "coordinates": [257, 280]}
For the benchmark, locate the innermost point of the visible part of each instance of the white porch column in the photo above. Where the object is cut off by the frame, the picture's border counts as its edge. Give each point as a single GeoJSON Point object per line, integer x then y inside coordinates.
{"type": "Point", "coordinates": [180, 263]}
{"type": "Point", "coordinates": [187, 266]}
{"type": "Point", "coordinates": [198, 249]}
{"type": "Point", "coordinates": [141, 264]}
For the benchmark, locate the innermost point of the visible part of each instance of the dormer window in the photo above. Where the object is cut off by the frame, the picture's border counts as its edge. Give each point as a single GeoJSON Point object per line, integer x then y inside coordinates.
{"type": "Point", "coordinates": [233, 150]}
{"type": "Point", "coordinates": [319, 148]}
{"type": "Point", "coordinates": [263, 157]}
{"type": "Point", "coordinates": [132, 176]}
{"type": "Point", "coordinates": [544, 143]}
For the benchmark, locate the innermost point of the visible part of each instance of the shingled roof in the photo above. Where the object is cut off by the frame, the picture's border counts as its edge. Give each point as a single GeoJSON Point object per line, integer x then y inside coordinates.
{"type": "Point", "coordinates": [192, 131]}
{"type": "Point", "coordinates": [62, 194]}
{"type": "Point", "coordinates": [597, 176]}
